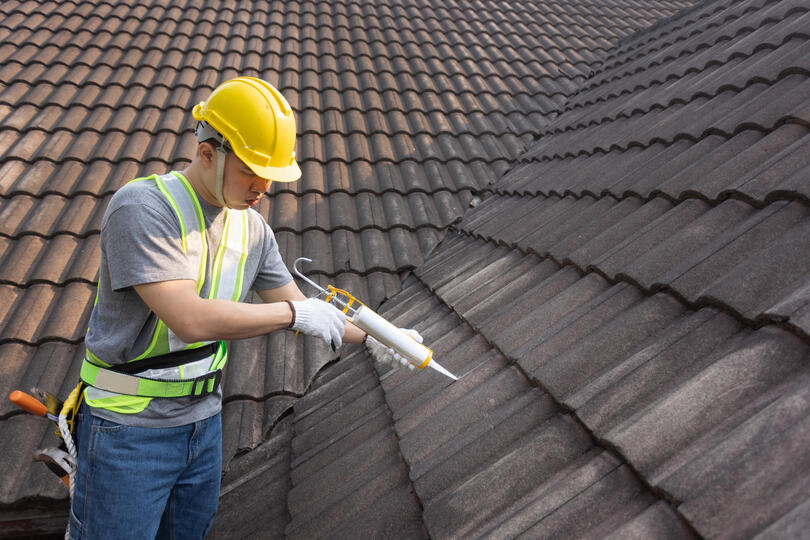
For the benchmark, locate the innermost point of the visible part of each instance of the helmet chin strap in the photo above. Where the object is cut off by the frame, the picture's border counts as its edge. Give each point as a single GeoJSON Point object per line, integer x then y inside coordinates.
{"type": "Point", "coordinates": [221, 155]}
{"type": "Point", "coordinates": [204, 132]}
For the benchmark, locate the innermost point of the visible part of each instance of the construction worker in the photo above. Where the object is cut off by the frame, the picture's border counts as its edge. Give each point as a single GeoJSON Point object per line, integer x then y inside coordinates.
{"type": "Point", "coordinates": [179, 253]}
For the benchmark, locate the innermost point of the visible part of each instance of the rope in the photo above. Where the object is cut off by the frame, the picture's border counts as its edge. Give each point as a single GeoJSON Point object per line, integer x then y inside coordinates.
{"type": "Point", "coordinates": [64, 429]}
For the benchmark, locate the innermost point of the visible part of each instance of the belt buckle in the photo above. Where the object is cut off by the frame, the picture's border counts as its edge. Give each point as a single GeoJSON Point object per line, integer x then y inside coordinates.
{"type": "Point", "coordinates": [204, 381]}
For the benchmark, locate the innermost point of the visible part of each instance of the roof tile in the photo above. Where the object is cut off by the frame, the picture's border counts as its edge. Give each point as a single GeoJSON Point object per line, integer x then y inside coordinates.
{"type": "Point", "coordinates": [618, 486]}
{"type": "Point", "coordinates": [545, 451]}
{"type": "Point", "coordinates": [26, 147]}
{"type": "Point", "coordinates": [648, 269]}
{"type": "Point", "coordinates": [483, 443]}
{"type": "Point", "coordinates": [271, 457]}
{"type": "Point", "coordinates": [16, 178]}
{"type": "Point", "coordinates": [628, 331]}
{"type": "Point", "coordinates": [776, 168]}
{"type": "Point", "coordinates": [34, 259]}
{"type": "Point", "coordinates": [773, 273]}
{"type": "Point", "coordinates": [749, 460]}
{"type": "Point", "coordinates": [706, 396]}
{"type": "Point", "coordinates": [682, 350]}
{"type": "Point", "coordinates": [19, 117]}
{"type": "Point", "coordinates": [658, 520]}
{"type": "Point", "coordinates": [636, 244]}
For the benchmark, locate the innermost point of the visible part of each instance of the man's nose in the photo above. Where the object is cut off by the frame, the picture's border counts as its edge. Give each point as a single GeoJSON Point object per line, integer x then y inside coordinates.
{"type": "Point", "coordinates": [262, 185]}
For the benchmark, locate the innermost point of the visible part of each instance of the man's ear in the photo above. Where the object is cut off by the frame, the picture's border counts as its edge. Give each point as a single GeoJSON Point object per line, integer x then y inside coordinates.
{"type": "Point", "coordinates": [207, 154]}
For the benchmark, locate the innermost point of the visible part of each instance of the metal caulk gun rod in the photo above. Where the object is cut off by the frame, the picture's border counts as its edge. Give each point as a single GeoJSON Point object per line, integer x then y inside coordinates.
{"type": "Point", "coordinates": [341, 304]}
{"type": "Point", "coordinates": [305, 278]}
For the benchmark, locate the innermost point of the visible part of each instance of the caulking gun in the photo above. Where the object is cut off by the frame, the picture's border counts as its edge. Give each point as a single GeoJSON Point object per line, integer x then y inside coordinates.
{"type": "Point", "coordinates": [380, 329]}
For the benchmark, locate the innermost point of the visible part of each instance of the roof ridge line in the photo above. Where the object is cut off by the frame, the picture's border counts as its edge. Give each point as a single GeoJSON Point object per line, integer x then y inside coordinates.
{"type": "Point", "coordinates": [392, 425]}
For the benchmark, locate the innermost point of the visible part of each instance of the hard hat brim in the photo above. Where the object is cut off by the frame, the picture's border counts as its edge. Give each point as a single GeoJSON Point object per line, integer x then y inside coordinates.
{"type": "Point", "coordinates": [290, 173]}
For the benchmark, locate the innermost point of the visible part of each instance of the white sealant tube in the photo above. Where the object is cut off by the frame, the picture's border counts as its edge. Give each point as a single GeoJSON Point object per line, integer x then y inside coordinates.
{"type": "Point", "coordinates": [391, 336]}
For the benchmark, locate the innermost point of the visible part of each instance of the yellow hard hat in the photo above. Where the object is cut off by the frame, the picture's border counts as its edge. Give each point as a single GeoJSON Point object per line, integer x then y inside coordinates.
{"type": "Point", "coordinates": [258, 124]}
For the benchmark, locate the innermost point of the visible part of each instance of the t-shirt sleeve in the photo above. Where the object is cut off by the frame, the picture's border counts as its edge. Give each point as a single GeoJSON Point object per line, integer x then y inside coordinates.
{"type": "Point", "coordinates": [272, 272]}
{"type": "Point", "coordinates": [143, 246]}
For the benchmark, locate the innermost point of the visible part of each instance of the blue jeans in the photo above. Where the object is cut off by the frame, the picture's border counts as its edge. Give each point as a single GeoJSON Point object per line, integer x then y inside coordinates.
{"type": "Point", "coordinates": [135, 482]}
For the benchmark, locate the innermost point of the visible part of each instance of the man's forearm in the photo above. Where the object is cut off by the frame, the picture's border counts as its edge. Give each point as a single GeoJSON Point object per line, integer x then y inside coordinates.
{"type": "Point", "coordinates": [195, 319]}
{"type": "Point", "coordinates": [224, 320]}
{"type": "Point", "coordinates": [353, 334]}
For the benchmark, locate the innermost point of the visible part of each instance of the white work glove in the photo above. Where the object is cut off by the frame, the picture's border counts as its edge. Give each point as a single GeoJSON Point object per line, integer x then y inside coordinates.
{"type": "Point", "coordinates": [315, 317]}
{"type": "Point", "coordinates": [387, 356]}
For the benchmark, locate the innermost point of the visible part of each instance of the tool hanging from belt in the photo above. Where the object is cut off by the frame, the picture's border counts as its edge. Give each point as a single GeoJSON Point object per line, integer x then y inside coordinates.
{"type": "Point", "coordinates": [61, 460]}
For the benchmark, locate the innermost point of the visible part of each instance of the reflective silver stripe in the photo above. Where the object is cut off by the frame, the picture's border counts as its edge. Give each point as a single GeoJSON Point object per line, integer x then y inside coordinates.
{"type": "Point", "coordinates": [193, 244]}
{"type": "Point", "coordinates": [186, 371]}
{"type": "Point", "coordinates": [188, 214]}
{"type": "Point", "coordinates": [229, 278]}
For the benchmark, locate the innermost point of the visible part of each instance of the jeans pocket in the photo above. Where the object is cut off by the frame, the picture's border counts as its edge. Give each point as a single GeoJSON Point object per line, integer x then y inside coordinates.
{"type": "Point", "coordinates": [102, 432]}
{"type": "Point", "coordinates": [100, 425]}
{"type": "Point", "coordinates": [76, 529]}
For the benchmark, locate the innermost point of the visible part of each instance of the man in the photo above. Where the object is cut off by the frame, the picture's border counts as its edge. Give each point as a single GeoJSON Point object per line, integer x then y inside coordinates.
{"type": "Point", "coordinates": [179, 253]}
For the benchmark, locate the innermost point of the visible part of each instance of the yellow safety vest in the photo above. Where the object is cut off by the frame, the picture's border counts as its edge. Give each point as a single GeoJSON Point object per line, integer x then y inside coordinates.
{"type": "Point", "coordinates": [131, 391]}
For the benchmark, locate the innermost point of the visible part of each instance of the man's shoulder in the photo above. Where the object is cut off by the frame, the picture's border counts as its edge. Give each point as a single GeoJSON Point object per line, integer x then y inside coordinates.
{"type": "Point", "coordinates": [138, 192]}
{"type": "Point", "coordinates": [138, 202]}
{"type": "Point", "coordinates": [138, 186]}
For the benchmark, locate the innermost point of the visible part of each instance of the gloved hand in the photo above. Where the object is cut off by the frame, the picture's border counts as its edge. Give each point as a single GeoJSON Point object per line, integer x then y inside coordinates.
{"type": "Point", "coordinates": [387, 356]}
{"type": "Point", "coordinates": [315, 317]}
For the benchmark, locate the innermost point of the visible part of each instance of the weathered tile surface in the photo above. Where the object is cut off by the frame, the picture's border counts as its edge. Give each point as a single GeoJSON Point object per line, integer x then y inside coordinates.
{"type": "Point", "coordinates": [628, 298]}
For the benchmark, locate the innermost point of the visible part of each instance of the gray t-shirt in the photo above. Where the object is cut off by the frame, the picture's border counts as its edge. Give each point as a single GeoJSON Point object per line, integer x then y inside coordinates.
{"type": "Point", "coordinates": [140, 243]}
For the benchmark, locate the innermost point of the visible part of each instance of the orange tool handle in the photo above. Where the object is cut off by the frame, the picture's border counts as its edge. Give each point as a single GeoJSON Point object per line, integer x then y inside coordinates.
{"type": "Point", "coordinates": [28, 403]}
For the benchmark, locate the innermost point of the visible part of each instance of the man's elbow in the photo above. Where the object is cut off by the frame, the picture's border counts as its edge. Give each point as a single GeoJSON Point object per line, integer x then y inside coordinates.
{"type": "Point", "coordinates": [188, 331]}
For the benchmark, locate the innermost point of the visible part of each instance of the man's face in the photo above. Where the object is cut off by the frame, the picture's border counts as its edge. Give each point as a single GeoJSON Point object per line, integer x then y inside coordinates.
{"type": "Point", "coordinates": [243, 189]}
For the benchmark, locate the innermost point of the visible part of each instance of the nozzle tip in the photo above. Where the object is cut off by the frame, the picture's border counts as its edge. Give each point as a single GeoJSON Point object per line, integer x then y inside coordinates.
{"type": "Point", "coordinates": [435, 365]}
